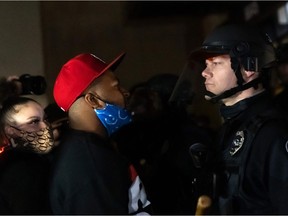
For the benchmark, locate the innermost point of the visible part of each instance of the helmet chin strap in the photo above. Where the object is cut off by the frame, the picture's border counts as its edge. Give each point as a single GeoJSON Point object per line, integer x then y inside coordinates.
{"type": "Point", "coordinates": [215, 98]}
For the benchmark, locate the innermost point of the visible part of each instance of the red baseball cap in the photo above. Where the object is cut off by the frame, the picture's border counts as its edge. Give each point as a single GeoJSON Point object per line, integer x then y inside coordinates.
{"type": "Point", "coordinates": [77, 74]}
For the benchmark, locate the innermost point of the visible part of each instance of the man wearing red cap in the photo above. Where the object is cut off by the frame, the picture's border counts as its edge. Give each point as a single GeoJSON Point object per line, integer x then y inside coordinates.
{"type": "Point", "coordinates": [90, 176]}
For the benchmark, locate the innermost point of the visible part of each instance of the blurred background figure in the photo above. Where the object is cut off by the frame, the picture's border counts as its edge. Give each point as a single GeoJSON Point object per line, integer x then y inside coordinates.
{"type": "Point", "coordinates": [9, 86]}
{"type": "Point", "coordinates": [25, 84]}
{"type": "Point", "coordinates": [26, 140]}
{"type": "Point", "coordinates": [160, 138]}
{"type": "Point", "coordinates": [58, 120]}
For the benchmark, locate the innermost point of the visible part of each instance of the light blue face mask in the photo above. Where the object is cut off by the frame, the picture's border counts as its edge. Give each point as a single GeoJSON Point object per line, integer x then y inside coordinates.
{"type": "Point", "coordinates": [113, 117]}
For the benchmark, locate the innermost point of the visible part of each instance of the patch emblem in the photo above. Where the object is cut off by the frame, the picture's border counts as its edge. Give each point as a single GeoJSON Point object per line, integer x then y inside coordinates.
{"type": "Point", "coordinates": [237, 143]}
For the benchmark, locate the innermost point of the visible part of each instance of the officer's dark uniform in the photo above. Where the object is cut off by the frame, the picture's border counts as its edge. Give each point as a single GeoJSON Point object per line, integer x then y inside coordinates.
{"type": "Point", "coordinates": [254, 158]}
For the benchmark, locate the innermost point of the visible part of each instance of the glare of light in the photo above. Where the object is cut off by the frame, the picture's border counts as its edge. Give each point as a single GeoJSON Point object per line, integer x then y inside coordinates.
{"type": "Point", "coordinates": [282, 14]}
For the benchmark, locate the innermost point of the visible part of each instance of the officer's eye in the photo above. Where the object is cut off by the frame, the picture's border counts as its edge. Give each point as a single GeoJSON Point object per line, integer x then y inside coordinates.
{"type": "Point", "coordinates": [216, 63]}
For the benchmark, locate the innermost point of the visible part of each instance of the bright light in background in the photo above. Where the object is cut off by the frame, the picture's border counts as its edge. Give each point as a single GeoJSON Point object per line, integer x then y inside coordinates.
{"type": "Point", "coordinates": [282, 14]}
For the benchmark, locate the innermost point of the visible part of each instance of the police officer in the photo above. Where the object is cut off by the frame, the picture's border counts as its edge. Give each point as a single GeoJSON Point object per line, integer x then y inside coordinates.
{"type": "Point", "coordinates": [252, 156]}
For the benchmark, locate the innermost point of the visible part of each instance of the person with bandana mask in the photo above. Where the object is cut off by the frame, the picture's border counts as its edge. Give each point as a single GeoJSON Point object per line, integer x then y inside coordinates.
{"type": "Point", "coordinates": [252, 151]}
{"type": "Point", "coordinates": [89, 175]}
{"type": "Point", "coordinates": [26, 142]}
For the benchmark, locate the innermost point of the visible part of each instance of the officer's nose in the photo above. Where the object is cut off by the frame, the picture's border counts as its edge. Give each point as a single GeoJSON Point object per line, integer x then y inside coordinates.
{"type": "Point", "coordinates": [206, 73]}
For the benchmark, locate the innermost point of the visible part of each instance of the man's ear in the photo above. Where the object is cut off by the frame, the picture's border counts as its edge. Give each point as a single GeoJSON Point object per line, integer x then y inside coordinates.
{"type": "Point", "coordinates": [93, 101]}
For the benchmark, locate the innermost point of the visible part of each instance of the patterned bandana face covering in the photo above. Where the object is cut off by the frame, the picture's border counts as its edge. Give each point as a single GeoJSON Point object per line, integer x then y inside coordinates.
{"type": "Point", "coordinates": [113, 117]}
{"type": "Point", "coordinates": [40, 142]}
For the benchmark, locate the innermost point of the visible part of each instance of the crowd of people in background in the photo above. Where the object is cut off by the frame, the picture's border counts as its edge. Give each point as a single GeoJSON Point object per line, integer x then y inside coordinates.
{"type": "Point", "coordinates": [101, 149]}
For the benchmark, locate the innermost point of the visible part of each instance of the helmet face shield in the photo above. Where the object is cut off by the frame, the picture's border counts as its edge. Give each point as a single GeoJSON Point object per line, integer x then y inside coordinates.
{"type": "Point", "coordinates": [188, 85]}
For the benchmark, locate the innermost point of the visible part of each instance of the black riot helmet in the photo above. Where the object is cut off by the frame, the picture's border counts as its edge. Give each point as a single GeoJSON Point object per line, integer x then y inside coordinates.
{"type": "Point", "coordinates": [248, 48]}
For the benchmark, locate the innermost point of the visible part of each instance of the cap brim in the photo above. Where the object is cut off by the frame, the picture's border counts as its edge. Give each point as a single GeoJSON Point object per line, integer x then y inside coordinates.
{"type": "Point", "coordinates": [115, 63]}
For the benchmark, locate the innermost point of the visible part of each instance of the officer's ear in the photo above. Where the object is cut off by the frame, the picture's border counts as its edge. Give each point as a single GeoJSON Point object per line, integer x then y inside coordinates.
{"type": "Point", "coordinates": [249, 75]}
{"type": "Point", "coordinates": [94, 101]}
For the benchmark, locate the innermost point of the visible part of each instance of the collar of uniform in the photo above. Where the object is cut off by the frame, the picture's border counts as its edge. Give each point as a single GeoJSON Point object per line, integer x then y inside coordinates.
{"type": "Point", "coordinates": [229, 112]}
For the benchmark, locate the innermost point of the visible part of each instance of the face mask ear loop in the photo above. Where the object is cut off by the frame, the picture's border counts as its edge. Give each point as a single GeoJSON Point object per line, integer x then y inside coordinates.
{"type": "Point", "coordinates": [15, 128]}
{"type": "Point", "coordinates": [20, 131]}
{"type": "Point", "coordinates": [13, 144]}
{"type": "Point", "coordinates": [96, 96]}
{"type": "Point", "coordinates": [92, 100]}
{"type": "Point", "coordinates": [105, 102]}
